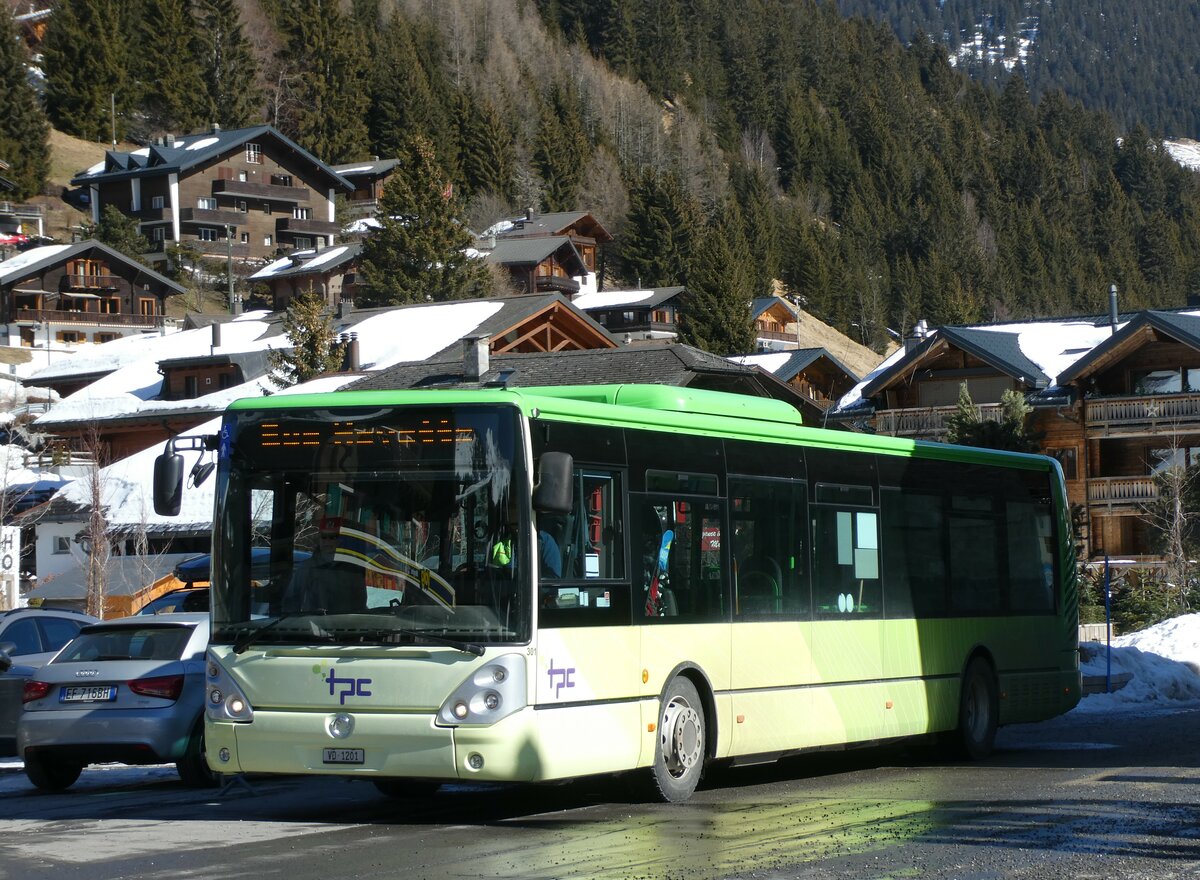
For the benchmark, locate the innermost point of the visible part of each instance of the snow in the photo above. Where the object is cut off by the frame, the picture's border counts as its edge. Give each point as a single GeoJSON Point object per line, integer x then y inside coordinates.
{"type": "Point", "coordinates": [358, 170]}
{"type": "Point", "coordinates": [610, 299]}
{"type": "Point", "coordinates": [10, 267]}
{"type": "Point", "coordinates": [1163, 659]}
{"type": "Point", "coordinates": [772, 362]}
{"type": "Point", "coordinates": [202, 143]}
{"type": "Point", "coordinates": [415, 334]}
{"type": "Point", "coordinates": [361, 227]}
{"type": "Point", "coordinates": [325, 256]}
{"type": "Point", "coordinates": [1184, 151]}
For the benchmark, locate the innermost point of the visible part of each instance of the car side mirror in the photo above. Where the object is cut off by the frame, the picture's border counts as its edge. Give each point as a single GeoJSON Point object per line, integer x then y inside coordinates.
{"type": "Point", "coordinates": [168, 481]}
{"type": "Point", "coordinates": [554, 490]}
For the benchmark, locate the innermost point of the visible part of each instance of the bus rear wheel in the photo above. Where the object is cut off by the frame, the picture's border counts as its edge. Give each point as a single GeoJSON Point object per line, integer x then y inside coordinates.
{"type": "Point", "coordinates": [680, 747]}
{"type": "Point", "coordinates": [978, 710]}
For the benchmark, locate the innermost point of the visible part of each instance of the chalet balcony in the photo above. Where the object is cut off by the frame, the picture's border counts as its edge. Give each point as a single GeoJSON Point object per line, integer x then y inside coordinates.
{"type": "Point", "coordinates": [556, 284]}
{"type": "Point", "coordinates": [19, 209]}
{"type": "Point", "coordinates": [297, 226]}
{"type": "Point", "coordinates": [90, 283]}
{"type": "Point", "coordinates": [245, 189]}
{"type": "Point", "coordinates": [777, 335]}
{"type": "Point", "coordinates": [211, 217]}
{"type": "Point", "coordinates": [103, 319]}
{"type": "Point", "coordinates": [152, 215]}
{"type": "Point", "coordinates": [220, 248]}
{"type": "Point", "coordinates": [927, 421]}
{"type": "Point", "coordinates": [1115, 493]}
{"type": "Point", "coordinates": [1142, 416]}
{"type": "Point", "coordinates": [359, 208]}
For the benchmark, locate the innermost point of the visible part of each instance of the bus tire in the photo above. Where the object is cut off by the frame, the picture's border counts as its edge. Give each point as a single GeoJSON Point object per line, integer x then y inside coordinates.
{"type": "Point", "coordinates": [978, 710]}
{"type": "Point", "coordinates": [679, 749]}
{"type": "Point", "coordinates": [406, 788]}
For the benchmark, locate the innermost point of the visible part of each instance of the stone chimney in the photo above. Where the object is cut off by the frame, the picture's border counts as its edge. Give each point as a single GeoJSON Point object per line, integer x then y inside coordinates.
{"type": "Point", "coordinates": [215, 128]}
{"type": "Point", "coordinates": [168, 140]}
{"type": "Point", "coordinates": [475, 357]}
{"type": "Point", "coordinates": [351, 362]}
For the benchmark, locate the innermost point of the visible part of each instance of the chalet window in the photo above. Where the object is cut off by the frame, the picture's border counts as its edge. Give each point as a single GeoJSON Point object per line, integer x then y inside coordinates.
{"type": "Point", "coordinates": [944, 392]}
{"type": "Point", "coordinates": [267, 241]}
{"type": "Point", "coordinates": [206, 204]}
{"type": "Point", "coordinates": [1160, 460]}
{"type": "Point", "coordinates": [1169, 381]}
{"type": "Point", "coordinates": [207, 233]}
{"type": "Point", "coordinates": [253, 154]}
{"type": "Point", "coordinates": [156, 202]}
{"type": "Point", "coordinates": [107, 337]}
{"type": "Point", "coordinates": [266, 207]}
{"type": "Point", "coordinates": [1066, 457]}
{"type": "Point", "coordinates": [189, 387]}
{"type": "Point", "coordinates": [627, 316]}
{"type": "Point", "coordinates": [110, 305]}
{"type": "Point", "coordinates": [241, 205]}
{"type": "Point", "coordinates": [589, 257]}
{"type": "Point", "coordinates": [158, 233]}
{"type": "Point", "coordinates": [224, 381]}
{"type": "Point", "coordinates": [245, 238]}
{"type": "Point", "coordinates": [602, 318]}
{"type": "Point", "coordinates": [69, 336]}
{"type": "Point", "coordinates": [660, 316]}
{"type": "Point", "coordinates": [281, 180]}
{"type": "Point", "coordinates": [62, 545]}
{"type": "Point", "coordinates": [302, 213]}
{"type": "Point", "coordinates": [303, 243]}
{"type": "Point", "coordinates": [242, 176]}
{"type": "Point", "coordinates": [147, 306]}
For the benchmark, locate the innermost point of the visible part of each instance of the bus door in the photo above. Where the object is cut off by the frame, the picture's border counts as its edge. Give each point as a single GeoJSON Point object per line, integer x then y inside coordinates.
{"type": "Point", "coordinates": [680, 597]}
{"type": "Point", "coordinates": [772, 668]}
{"type": "Point", "coordinates": [850, 700]}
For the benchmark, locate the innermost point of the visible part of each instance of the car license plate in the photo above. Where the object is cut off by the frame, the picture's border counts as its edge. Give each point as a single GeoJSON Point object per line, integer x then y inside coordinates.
{"type": "Point", "coordinates": [94, 694]}
{"type": "Point", "coordinates": [343, 756]}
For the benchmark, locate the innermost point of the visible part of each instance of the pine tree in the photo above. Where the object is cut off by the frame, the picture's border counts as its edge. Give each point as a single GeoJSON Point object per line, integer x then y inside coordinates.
{"type": "Point", "coordinates": [419, 251]}
{"type": "Point", "coordinates": [716, 314]}
{"type": "Point", "coordinates": [315, 351]}
{"type": "Point", "coordinates": [485, 152]}
{"type": "Point", "coordinates": [402, 102]}
{"type": "Point", "coordinates": [23, 127]}
{"type": "Point", "coordinates": [561, 149]}
{"type": "Point", "coordinates": [966, 428]}
{"type": "Point", "coordinates": [661, 227]}
{"type": "Point", "coordinates": [119, 232]}
{"type": "Point", "coordinates": [86, 66]}
{"type": "Point", "coordinates": [234, 99]}
{"type": "Point", "coordinates": [168, 64]}
{"type": "Point", "coordinates": [327, 116]}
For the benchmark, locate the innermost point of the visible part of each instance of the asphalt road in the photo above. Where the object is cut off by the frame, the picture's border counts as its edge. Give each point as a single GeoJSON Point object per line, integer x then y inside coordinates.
{"type": "Point", "coordinates": [1082, 796]}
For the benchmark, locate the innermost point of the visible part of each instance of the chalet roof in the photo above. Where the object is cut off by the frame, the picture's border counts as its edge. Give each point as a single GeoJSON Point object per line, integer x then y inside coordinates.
{"type": "Point", "coordinates": [536, 225]}
{"type": "Point", "coordinates": [251, 363]}
{"type": "Point", "coordinates": [190, 151]}
{"type": "Point", "coordinates": [531, 251]}
{"type": "Point", "coordinates": [787, 365]}
{"type": "Point", "coordinates": [763, 303]}
{"type": "Point", "coordinates": [999, 350]}
{"type": "Point", "coordinates": [1180, 326]}
{"type": "Point", "coordinates": [355, 170]}
{"type": "Point", "coordinates": [310, 262]}
{"type": "Point", "coordinates": [659, 363]}
{"type": "Point", "coordinates": [35, 260]}
{"type": "Point", "coordinates": [646, 298]}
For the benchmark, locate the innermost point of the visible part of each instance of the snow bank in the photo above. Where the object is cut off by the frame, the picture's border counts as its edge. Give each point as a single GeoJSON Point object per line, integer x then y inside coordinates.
{"type": "Point", "coordinates": [1164, 661]}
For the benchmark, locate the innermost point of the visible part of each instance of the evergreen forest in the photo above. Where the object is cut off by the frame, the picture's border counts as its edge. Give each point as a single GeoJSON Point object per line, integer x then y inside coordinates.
{"type": "Point", "coordinates": [1135, 61]}
{"type": "Point", "coordinates": [734, 148]}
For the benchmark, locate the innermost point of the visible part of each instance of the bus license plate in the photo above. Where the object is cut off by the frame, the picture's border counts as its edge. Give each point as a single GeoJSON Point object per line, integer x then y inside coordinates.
{"type": "Point", "coordinates": [87, 694]}
{"type": "Point", "coordinates": [343, 756]}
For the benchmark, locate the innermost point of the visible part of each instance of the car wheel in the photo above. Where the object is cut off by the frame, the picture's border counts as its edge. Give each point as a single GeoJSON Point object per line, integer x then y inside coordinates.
{"type": "Point", "coordinates": [193, 767]}
{"type": "Point", "coordinates": [50, 775]}
{"type": "Point", "coordinates": [680, 748]}
{"type": "Point", "coordinates": [407, 788]}
{"type": "Point", "coordinates": [978, 711]}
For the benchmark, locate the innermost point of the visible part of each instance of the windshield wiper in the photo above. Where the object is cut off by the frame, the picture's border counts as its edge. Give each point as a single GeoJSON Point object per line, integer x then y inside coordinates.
{"type": "Point", "coordinates": [249, 637]}
{"type": "Point", "coordinates": [458, 645]}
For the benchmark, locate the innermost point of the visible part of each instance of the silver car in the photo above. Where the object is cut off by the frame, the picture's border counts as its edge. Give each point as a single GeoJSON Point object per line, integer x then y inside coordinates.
{"type": "Point", "coordinates": [129, 691]}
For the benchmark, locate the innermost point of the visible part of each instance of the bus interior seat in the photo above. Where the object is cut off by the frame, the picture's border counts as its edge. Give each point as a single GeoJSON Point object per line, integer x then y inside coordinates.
{"type": "Point", "coordinates": [758, 586]}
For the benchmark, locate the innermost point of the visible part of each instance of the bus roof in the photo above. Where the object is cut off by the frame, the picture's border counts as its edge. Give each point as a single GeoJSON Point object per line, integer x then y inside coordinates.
{"type": "Point", "coordinates": [655, 407]}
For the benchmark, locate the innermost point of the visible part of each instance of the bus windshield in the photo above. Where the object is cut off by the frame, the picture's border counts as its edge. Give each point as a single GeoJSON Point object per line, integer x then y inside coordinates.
{"type": "Point", "coordinates": [384, 526]}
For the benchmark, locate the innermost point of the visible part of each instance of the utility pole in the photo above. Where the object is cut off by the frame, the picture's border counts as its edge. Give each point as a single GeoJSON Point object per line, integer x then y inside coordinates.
{"type": "Point", "coordinates": [229, 267]}
{"type": "Point", "coordinates": [112, 112]}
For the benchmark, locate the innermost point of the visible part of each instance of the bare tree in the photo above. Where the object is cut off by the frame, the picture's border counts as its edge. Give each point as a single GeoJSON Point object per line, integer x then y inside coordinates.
{"type": "Point", "coordinates": [1172, 514]}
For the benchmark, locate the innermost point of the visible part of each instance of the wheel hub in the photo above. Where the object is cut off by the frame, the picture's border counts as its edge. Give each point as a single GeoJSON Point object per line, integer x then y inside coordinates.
{"type": "Point", "coordinates": [682, 737]}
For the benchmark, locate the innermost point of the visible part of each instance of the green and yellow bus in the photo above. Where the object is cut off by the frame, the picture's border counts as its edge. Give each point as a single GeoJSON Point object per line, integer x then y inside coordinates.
{"type": "Point", "coordinates": [542, 583]}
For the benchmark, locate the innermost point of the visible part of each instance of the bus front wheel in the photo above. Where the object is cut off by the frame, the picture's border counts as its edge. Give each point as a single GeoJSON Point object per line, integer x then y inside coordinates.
{"type": "Point", "coordinates": [679, 749]}
{"type": "Point", "coordinates": [978, 710]}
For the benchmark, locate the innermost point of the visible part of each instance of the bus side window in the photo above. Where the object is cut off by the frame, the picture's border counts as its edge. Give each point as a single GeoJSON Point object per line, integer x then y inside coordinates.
{"type": "Point", "coordinates": [846, 545]}
{"type": "Point", "coordinates": [681, 567]}
{"type": "Point", "coordinates": [770, 574]}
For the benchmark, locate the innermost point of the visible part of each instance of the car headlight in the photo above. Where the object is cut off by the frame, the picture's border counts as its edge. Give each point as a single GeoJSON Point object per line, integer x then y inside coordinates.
{"type": "Point", "coordinates": [223, 699]}
{"type": "Point", "coordinates": [492, 691]}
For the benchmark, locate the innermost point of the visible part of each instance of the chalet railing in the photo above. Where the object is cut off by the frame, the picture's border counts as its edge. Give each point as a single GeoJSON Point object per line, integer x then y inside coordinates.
{"type": "Point", "coordinates": [927, 421]}
{"type": "Point", "coordinates": [218, 248]}
{"type": "Point", "coordinates": [22, 209]}
{"type": "Point", "coordinates": [1161, 410]}
{"type": "Point", "coordinates": [56, 457]}
{"type": "Point", "coordinates": [1121, 491]}
{"type": "Point", "coordinates": [306, 226]}
{"type": "Point", "coordinates": [268, 191]}
{"type": "Point", "coordinates": [89, 283]}
{"type": "Point", "coordinates": [62, 316]}
{"type": "Point", "coordinates": [212, 216]}
{"type": "Point", "coordinates": [775, 334]}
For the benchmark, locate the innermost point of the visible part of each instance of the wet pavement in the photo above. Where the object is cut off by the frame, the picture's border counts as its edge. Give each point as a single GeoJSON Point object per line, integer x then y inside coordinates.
{"type": "Point", "coordinates": [1082, 796]}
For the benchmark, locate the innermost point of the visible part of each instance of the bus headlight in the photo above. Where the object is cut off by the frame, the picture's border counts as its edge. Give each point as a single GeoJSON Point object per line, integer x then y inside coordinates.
{"type": "Point", "coordinates": [224, 700]}
{"type": "Point", "coordinates": [493, 691]}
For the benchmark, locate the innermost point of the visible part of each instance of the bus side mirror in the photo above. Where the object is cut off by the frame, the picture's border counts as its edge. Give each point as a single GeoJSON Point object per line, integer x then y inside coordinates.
{"type": "Point", "coordinates": [168, 481]}
{"type": "Point", "coordinates": [553, 492]}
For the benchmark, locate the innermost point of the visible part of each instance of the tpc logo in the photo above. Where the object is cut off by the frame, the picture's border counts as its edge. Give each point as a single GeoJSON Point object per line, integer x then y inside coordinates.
{"type": "Point", "coordinates": [351, 687]}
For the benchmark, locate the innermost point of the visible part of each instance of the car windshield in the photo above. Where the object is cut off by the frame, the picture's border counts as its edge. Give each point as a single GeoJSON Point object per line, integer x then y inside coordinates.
{"type": "Point", "coordinates": [380, 525]}
{"type": "Point", "coordinates": [126, 643]}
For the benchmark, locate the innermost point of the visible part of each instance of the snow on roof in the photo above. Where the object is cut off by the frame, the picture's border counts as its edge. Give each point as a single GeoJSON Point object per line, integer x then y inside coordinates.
{"type": "Point", "coordinates": [498, 228]}
{"type": "Point", "coordinates": [200, 144]}
{"type": "Point", "coordinates": [610, 299]}
{"type": "Point", "coordinates": [277, 266]}
{"type": "Point", "coordinates": [13, 265]}
{"type": "Point", "coordinates": [14, 476]}
{"type": "Point", "coordinates": [772, 362]}
{"type": "Point", "coordinates": [416, 333]}
{"type": "Point", "coordinates": [361, 226]}
{"type": "Point", "coordinates": [359, 169]}
{"type": "Point", "coordinates": [326, 256]}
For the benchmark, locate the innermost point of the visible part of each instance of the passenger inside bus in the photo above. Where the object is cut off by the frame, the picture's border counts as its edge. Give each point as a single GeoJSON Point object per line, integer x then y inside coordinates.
{"type": "Point", "coordinates": [325, 583]}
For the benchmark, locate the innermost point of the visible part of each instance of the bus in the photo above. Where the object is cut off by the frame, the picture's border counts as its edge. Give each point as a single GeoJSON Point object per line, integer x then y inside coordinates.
{"type": "Point", "coordinates": [536, 584]}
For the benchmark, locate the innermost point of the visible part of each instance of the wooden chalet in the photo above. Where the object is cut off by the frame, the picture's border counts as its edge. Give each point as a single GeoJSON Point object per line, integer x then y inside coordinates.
{"type": "Point", "coordinates": [368, 180]}
{"type": "Point", "coordinates": [249, 193]}
{"type": "Point", "coordinates": [332, 273]}
{"type": "Point", "coordinates": [636, 315]}
{"type": "Point", "coordinates": [82, 292]}
{"type": "Point", "coordinates": [1116, 401]}
{"type": "Point", "coordinates": [812, 372]}
{"type": "Point", "coordinates": [554, 270]}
